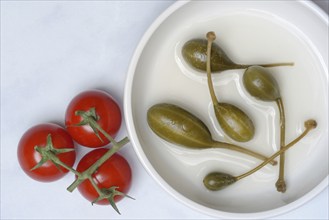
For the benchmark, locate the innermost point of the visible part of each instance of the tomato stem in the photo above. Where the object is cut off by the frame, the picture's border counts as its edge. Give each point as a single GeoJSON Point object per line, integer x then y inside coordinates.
{"type": "Point", "coordinates": [87, 173]}
{"type": "Point", "coordinates": [109, 194]}
{"type": "Point", "coordinates": [90, 118]}
{"type": "Point", "coordinates": [50, 153]}
{"type": "Point", "coordinates": [91, 179]}
{"type": "Point", "coordinates": [57, 161]}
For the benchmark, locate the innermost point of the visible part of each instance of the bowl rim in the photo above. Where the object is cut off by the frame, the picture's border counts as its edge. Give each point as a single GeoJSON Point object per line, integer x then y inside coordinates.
{"type": "Point", "coordinates": [151, 170]}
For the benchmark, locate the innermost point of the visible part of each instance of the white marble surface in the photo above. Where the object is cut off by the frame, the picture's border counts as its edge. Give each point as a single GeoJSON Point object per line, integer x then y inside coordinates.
{"type": "Point", "coordinates": [50, 51]}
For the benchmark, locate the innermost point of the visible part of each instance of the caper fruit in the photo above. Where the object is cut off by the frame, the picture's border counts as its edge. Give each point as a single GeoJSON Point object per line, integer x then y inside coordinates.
{"type": "Point", "coordinates": [215, 181]}
{"type": "Point", "coordinates": [178, 126]}
{"type": "Point", "coordinates": [194, 53]}
{"type": "Point", "coordinates": [233, 121]}
{"type": "Point", "coordinates": [260, 84]}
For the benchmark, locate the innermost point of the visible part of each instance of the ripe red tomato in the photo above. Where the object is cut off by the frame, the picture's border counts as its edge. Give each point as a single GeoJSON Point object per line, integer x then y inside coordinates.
{"type": "Point", "coordinates": [28, 157]}
{"type": "Point", "coordinates": [113, 172]}
{"type": "Point", "coordinates": [108, 117]}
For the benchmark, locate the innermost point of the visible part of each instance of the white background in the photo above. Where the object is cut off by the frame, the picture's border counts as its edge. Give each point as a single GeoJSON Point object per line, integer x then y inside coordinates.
{"type": "Point", "coordinates": [52, 50]}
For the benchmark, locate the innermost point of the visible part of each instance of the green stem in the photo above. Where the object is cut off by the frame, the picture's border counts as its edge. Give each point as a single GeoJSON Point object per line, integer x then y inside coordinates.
{"type": "Point", "coordinates": [242, 150]}
{"type": "Point", "coordinates": [48, 152]}
{"type": "Point", "coordinates": [93, 123]}
{"type": "Point", "coordinates": [56, 160]}
{"type": "Point", "coordinates": [87, 173]}
{"type": "Point", "coordinates": [211, 37]}
{"type": "Point", "coordinates": [244, 66]}
{"type": "Point", "coordinates": [310, 124]}
{"type": "Point", "coordinates": [91, 179]}
{"type": "Point", "coordinates": [281, 184]}
{"type": "Point", "coordinates": [90, 118]}
{"type": "Point", "coordinates": [108, 154]}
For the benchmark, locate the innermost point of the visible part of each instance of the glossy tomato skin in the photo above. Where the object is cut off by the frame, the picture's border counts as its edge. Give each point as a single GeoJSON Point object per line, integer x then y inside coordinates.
{"type": "Point", "coordinates": [37, 136]}
{"type": "Point", "coordinates": [109, 117]}
{"type": "Point", "coordinates": [115, 171]}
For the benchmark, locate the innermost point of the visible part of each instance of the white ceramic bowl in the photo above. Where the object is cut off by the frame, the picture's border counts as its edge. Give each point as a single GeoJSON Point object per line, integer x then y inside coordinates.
{"type": "Point", "coordinates": [250, 32]}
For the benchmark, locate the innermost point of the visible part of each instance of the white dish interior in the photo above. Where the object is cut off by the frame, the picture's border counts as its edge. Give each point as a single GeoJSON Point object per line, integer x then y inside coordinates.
{"type": "Point", "coordinates": [250, 32]}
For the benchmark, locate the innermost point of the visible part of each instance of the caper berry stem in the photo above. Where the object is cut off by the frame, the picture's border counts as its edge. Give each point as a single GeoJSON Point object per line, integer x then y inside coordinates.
{"type": "Point", "coordinates": [242, 150]}
{"type": "Point", "coordinates": [211, 36]}
{"type": "Point", "coordinates": [244, 66]}
{"type": "Point", "coordinates": [309, 125]}
{"type": "Point", "coordinates": [215, 181]}
{"type": "Point", "coordinates": [281, 184]}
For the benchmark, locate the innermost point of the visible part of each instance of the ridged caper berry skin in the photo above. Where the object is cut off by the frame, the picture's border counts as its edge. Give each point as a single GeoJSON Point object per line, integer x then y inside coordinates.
{"type": "Point", "coordinates": [176, 125]}
{"type": "Point", "coordinates": [261, 84]}
{"type": "Point", "coordinates": [234, 122]}
{"type": "Point", "coordinates": [195, 54]}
